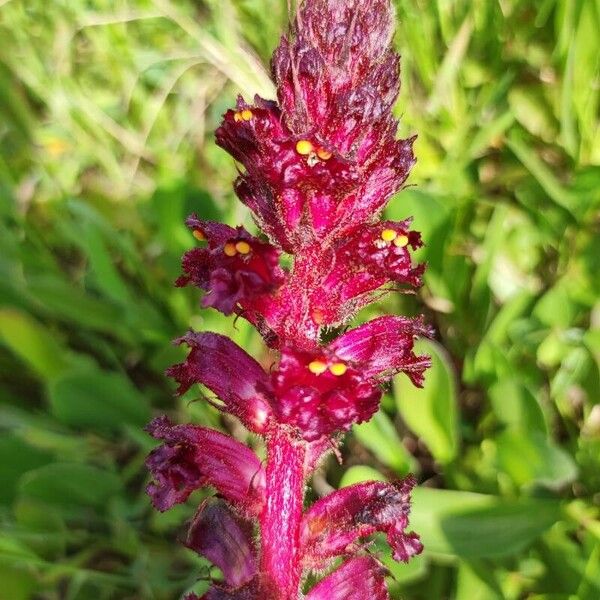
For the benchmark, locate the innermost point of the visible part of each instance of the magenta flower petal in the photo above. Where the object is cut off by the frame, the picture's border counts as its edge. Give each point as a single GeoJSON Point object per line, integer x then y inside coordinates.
{"type": "Point", "coordinates": [359, 578]}
{"type": "Point", "coordinates": [384, 346]}
{"type": "Point", "coordinates": [334, 524]}
{"type": "Point", "coordinates": [193, 457]}
{"type": "Point", "coordinates": [234, 269]}
{"type": "Point", "coordinates": [234, 376]}
{"type": "Point", "coordinates": [225, 540]}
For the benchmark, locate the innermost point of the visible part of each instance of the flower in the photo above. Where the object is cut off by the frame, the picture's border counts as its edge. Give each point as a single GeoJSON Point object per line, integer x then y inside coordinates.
{"type": "Point", "coordinates": [357, 579]}
{"type": "Point", "coordinates": [319, 393]}
{"type": "Point", "coordinates": [333, 524]}
{"type": "Point", "coordinates": [235, 269]}
{"type": "Point", "coordinates": [220, 536]}
{"type": "Point", "coordinates": [316, 169]}
{"type": "Point", "coordinates": [193, 457]}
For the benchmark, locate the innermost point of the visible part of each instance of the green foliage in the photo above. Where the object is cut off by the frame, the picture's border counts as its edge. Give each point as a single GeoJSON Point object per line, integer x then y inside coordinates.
{"type": "Point", "coordinates": [106, 117]}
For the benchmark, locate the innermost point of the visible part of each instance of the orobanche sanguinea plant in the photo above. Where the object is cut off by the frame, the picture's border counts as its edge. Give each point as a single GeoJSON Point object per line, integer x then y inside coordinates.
{"type": "Point", "coordinates": [319, 167]}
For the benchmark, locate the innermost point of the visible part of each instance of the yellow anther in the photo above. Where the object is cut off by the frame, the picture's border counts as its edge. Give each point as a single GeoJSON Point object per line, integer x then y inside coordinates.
{"type": "Point", "coordinates": [318, 367]}
{"type": "Point", "coordinates": [247, 115]}
{"type": "Point", "coordinates": [389, 235]}
{"type": "Point", "coordinates": [243, 247]}
{"type": "Point", "coordinates": [199, 235]}
{"type": "Point", "coordinates": [318, 317]}
{"type": "Point", "coordinates": [237, 117]}
{"type": "Point", "coordinates": [338, 369]}
{"type": "Point", "coordinates": [304, 147]}
{"type": "Point", "coordinates": [324, 154]}
{"type": "Point", "coordinates": [230, 250]}
{"type": "Point", "coordinates": [401, 241]}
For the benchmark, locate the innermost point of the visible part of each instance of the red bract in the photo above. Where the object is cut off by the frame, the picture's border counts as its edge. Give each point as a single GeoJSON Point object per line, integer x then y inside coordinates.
{"type": "Point", "coordinates": [317, 168]}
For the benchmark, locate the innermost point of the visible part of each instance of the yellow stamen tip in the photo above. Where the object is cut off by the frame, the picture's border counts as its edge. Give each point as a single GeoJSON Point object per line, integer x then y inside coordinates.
{"type": "Point", "coordinates": [243, 247]}
{"type": "Point", "coordinates": [247, 115]}
{"type": "Point", "coordinates": [338, 369]}
{"type": "Point", "coordinates": [401, 241]}
{"type": "Point", "coordinates": [199, 235]}
{"type": "Point", "coordinates": [324, 154]}
{"type": "Point", "coordinates": [237, 117]}
{"type": "Point", "coordinates": [230, 250]}
{"type": "Point", "coordinates": [388, 235]}
{"type": "Point", "coordinates": [304, 147]}
{"type": "Point", "coordinates": [318, 367]}
{"type": "Point", "coordinates": [318, 316]}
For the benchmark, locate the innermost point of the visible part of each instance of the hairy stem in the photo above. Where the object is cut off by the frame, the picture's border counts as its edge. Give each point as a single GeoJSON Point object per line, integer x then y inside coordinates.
{"type": "Point", "coordinates": [281, 516]}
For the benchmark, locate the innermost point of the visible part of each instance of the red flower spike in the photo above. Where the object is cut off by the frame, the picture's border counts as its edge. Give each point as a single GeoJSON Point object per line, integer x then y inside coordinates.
{"type": "Point", "coordinates": [357, 579]}
{"type": "Point", "coordinates": [333, 525]}
{"type": "Point", "coordinates": [235, 377]}
{"type": "Point", "coordinates": [235, 270]}
{"type": "Point", "coordinates": [225, 540]}
{"type": "Point", "coordinates": [316, 170]}
{"type": "Point", "coordinates": [193, 457]}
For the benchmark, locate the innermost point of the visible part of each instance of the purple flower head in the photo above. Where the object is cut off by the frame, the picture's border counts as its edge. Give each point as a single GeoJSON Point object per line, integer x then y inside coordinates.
{"type": "Point", "coordinates": [317, 168]}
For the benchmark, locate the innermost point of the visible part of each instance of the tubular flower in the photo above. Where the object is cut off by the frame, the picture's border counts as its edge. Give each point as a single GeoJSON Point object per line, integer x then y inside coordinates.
{"type": "Point", "coordinates": [317, 168]}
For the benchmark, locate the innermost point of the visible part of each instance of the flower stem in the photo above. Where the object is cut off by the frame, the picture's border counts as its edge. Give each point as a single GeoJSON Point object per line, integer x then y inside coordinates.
{"type": "Point", "coordinates": [281, 516]}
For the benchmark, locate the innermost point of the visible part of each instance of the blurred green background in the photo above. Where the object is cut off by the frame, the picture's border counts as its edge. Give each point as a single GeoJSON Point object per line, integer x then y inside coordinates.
{"type": "Point", "coordinates": [107, 114]}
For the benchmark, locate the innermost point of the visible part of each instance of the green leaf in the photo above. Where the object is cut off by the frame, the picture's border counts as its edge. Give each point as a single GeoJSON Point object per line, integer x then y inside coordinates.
{"type": "Point", "coordinates": [431, 412]}
{"type": "Point", "coordinates": [380, 436]}
{"type": "Point", "coordinates": [529, 457]}
{"type": "Point", "coordinates": [472, 525]}
{"type": "Point", "coordinates": [360, 473]}
{"type": "Point", "coordinates": [71, 485]}
{"type": "Point", "coordinates": [516, 406]}
{"type": "Point", "coordinates": [33, 343]}
{"type": "Point", "coordinates": [16, 458]}
{"type": "Point", "coordinates": [98, 400]}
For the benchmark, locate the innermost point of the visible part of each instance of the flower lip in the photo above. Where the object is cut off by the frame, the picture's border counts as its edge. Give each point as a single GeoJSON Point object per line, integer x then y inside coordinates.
{"type": "Point", "coordinates": [357, 579]}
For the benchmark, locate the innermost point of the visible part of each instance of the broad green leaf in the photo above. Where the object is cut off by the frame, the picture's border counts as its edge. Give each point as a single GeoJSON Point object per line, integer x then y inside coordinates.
{"type": "Point", "coordinates": [476, 582]}
{"type": "Point", "coordinates": [529, 457]}
{"type": "Point", "coordinates": [16, 457]}
{"type": "Point", "coordinates": [431, 412]}
{"type": "Point", "coordinates": [98, 400]}
{"type": "Point", "coordinates": [70, 485]}
{"type": "Point", "coordinates": [515, 406]}
{"type": "Point", "coordinates": [472, 525]}
{"type": "Point", "coordinates": [33, 343]}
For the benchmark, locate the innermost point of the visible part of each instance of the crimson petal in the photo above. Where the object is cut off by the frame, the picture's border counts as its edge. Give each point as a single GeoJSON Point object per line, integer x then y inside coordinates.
{"type": "Point", "coordinates": [193, 457]}
{"type": "Point", "coordinates": [383, 347]}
